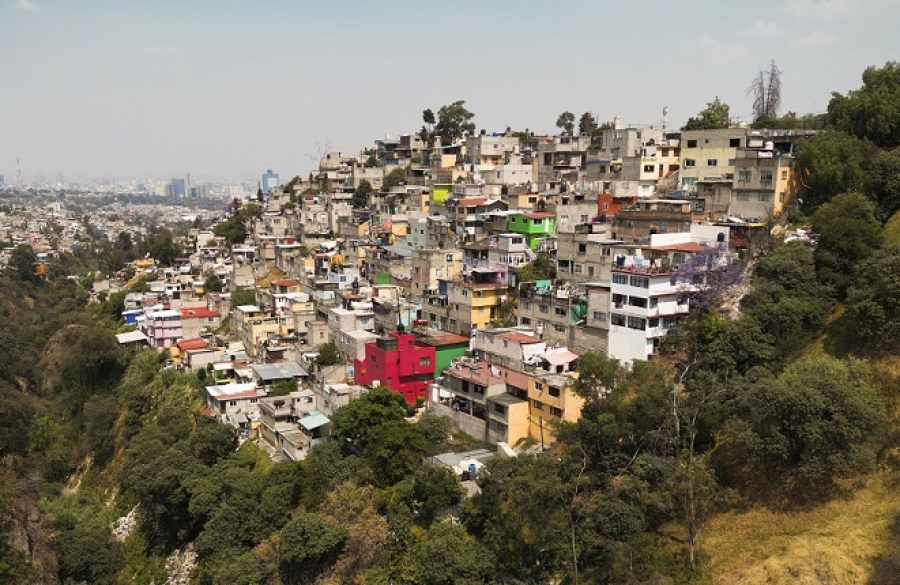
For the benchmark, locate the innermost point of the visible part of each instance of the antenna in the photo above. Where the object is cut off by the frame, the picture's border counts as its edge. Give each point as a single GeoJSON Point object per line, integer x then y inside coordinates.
{"type": "Point", "coordinates": [665, 120]}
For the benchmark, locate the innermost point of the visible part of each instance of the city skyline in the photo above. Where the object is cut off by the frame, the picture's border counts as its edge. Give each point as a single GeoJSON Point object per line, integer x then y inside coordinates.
{"type": "Point", "coordinates": [128, 89]}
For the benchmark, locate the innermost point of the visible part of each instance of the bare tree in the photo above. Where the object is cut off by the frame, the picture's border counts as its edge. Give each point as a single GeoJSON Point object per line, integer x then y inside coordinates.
{"type": "Point", "coordinates": [766, 92]}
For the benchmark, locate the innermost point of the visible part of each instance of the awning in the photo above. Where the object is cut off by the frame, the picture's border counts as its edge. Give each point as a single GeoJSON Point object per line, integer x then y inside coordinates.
{"type": "Point", "coordinates": [560, 358]}
{"type": "Point", "coordinates": [314, 421]}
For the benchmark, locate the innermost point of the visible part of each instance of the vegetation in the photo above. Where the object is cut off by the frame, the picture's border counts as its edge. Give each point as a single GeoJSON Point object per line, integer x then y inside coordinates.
{"type": "Point", "coordinates": [452, 123]}
{"type": "Point", "coordinates": [745, 451]}
{"type": "Point", "coordinates": [871, 112]}
{"type": "Point", "coordinates": [715, 115]}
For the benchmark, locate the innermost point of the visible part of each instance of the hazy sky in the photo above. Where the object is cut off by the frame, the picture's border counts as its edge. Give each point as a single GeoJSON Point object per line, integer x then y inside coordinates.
{"type": "Point", "coordinates": [231, 87]}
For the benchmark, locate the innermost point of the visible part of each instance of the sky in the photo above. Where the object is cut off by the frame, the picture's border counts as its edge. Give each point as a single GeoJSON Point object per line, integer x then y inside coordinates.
{"type": "Point", "coordinates": [229, 88]}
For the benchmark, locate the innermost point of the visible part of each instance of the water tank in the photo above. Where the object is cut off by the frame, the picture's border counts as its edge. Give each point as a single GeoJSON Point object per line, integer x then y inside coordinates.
{"type": "Point", "coordinates": [770, 145]}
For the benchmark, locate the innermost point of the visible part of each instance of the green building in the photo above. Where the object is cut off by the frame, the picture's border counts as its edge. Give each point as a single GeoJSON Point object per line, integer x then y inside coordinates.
{"type": "Point", "coordinates": [447, 347]}
{"type": "Point", "coordinates": [534, 225]}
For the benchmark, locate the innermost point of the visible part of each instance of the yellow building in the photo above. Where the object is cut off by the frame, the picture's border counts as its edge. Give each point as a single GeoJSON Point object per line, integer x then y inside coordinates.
{"type": "Point", "coordinates": [473, 305]}
{"type": "Point", "coordinates": [551, 400]}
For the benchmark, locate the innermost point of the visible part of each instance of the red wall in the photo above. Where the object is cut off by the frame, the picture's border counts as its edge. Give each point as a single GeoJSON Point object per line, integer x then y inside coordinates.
{"type": "Point", "coordinates": [402, 371]}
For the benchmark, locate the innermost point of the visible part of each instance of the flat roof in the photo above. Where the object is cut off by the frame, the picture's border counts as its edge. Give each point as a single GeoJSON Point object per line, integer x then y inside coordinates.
{"type": "Point", "coordinates": [315, 420]}
{"type": "Point", "coordinates": [279, 371]}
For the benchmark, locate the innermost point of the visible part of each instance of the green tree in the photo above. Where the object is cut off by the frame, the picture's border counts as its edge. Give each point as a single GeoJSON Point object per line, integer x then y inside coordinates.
{"type": "Point", "coordinates": [242, 296]}
{"type": "Point", "coordinates": [283, 387]}
{"type": "Point", "coordinates": [871, 112]}
{"type": "Point", "coordinates": [882, 183]}
{"type": "Point", "coordinates": [830, 163]}
{"type": "Point", "coordinates": [393, 179]}
{"type": "Point", "coordinates": [873, 301]}
{"type": "Point", "coordinates": [809, 427]}
{"type": "Point", "coordinates": [849, 232]}
{"type": "Point", "coordinates": [453, 121]}
{"type": "Point", "coordinates": [448, 557]}
{"type": "Point", "coordinates": [212, 283]}
{"type": "Point", "coordinates": [587, 124]}
{"type": "Point", "coordinates": [21, 265]}
{"type": "Point", "coordinates": [160, 245]}
{"type": "Point", "coordinates": [308, 546]}
{"type": "Point", "coordinates": [715, 115]}
{"type": "Point", "coordinates": [329, 354]}
{"type": "Point", "coordinates": [541, 268]}
{"type": "Point", "coordinates": [361, 194]}
{"type": "Point", "coordinates": [566, 122]}
{"type": "Point", "coordinates": [360, 419]}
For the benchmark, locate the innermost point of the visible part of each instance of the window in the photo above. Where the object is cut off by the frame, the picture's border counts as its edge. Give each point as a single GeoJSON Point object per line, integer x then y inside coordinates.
{"type": "Point", "coordinates": [425, 361]}
{"type": "Point", "coordinates": [543, 308]}
{"type": "Point", "coordinates": [619, 300]}
{"type": "Point", "coordinates": [781, 197]}
{"type": "Point", "coordinates": [538, 405]}
{"type": "Point", "coordinates": [636, 323]}
{"type": "Point", "coordinates": [232, 403]}
{"type": "Point", "coordinates": [734, 142]}
{"type": "Point", "coordinates": [712, 162]}
{"type": "Point", "coordinates": [639, 281]}
{"type": "Point", "coordinates": [617, 319]}
{"type": "Point", "coordinates": [765, 176]}
{"type": "Point", "coordinates": [560, 311]}
{"type": "Point", "coordinates": [731, 162]}
{"type": "Point", "coordinates": [654, 302]}
{"type": "Point", "coordinates": [499, 408]}
{"type": "Point", "coordinates": [590, 271]}
{"type": "Point", "coordinates": [582, 248]}
{"type": "Point", "coordinates": [537, 221]}
{"type": "Point", "coordinates": [637, 302]}
{"type": "Point", "coordinates": [689, 163]}
{"type": "Point", "coordinates": [783, 175]}
{"type": "Point", "coordinates": [526, 305]}
{"type": "Point", "coordinates": [525, 321]}
{"type": "Point", "coordinates": [559, 328]}
{"type": "Point", "coordinates": [555, 411]}
{"type": "Point", "coordinates": [578, 268]}
{"type": "Point", "coordinates": [742, 197]}
{"type": "Point", "coordinates": [649, 168]}
{"type": "Point", "coordinates": [532, 200]}
{"type": "Point", "coordinates": [653, 323]}
{"type": "Point", "coordinates": [669, 322]}
{"type": "Point", "coordinates": [692, 144]}
{"type": "Point", "coordinates": [744, 176]}
{"type": "Point", "coordinates": [584, 218]}
{"type": "Point", "coordinates": [539, 386]}
{"type": "Point", "coordinates": [553, 391]}
{"type": "Point", "coordinates": [620, 278]}
{"type": "Point", "coordinates": [449, 258]}
{"type": "Point", "coordinates": [599, 316]}
{"type": "Point", "coordinates": [765, 197]}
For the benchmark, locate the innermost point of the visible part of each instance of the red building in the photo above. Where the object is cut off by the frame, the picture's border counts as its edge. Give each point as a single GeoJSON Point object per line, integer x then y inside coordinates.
{"type": "Point", "coordinates": [397, 362]}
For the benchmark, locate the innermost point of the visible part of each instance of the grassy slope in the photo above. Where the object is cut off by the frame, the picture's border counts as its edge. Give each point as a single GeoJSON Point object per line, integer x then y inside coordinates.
{"type": "Point", "coordinates": [837, 542]}
{"type": "Point", "coordinates": [833, 543]}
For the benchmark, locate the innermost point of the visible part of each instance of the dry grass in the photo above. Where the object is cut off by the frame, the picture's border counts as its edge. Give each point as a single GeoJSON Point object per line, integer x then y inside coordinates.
{"type": "Point", "coordinates": [833, 543]}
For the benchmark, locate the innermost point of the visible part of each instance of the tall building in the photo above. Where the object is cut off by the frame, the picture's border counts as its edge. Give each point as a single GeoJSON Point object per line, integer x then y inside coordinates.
{"type": "Point", "coordinates": [177, 188]}
{"type": "Point", "coordinates": [269, 181]}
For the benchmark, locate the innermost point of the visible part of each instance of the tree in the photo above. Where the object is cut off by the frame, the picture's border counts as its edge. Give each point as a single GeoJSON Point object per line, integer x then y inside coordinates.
{"type": "Point", "coordinates": [242, 296]}
{"type": "Point", "coordinates": [428, 117]}
{"type": "Point", "coordinates": [329, 354]}
{"type": "Point", "coordinates": [393, 179]}
{"type": "Point", "coordinates": [359, 420]}
{"type": "Point", "coordinates": [597, 375]}
{"type": "Point", "coordinates": [160, 246]}
{"type": "Point", "coordinates": [21, 265]}
{"type": "Point", "coordinates": [873, 111]}
{"type": "Point", "coordinates": [849, 232]}
{"type": "Point", "coordinates": [454, 120]}
{"type": "Point", "coordinates": [566, 121]}
{"type": "Point", "coordinates": [882, 183]}
{"type": "Point", "coordinates": [873, 301]}
{"type": "Point", "coordinates": [541, 268]}
{"type": "Point", "coordinates": [212, 283]}
{"type": "Point", "coordinates": [447, 556]}
{"type": "Point", "coordinates": [766, 92]}
{"type": "Point", "coordinates": [830, 163]}
{"type": "Point", "coordinates": [361, 194]}
{"type": "Point", "coordinates": [716, 115]}
{"type": "Point", "coordinates": [809, 427]}
{"type": "Point", "coordinates": [587, 124]}
{"type": "Point", "coordinates": [308, 546]}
